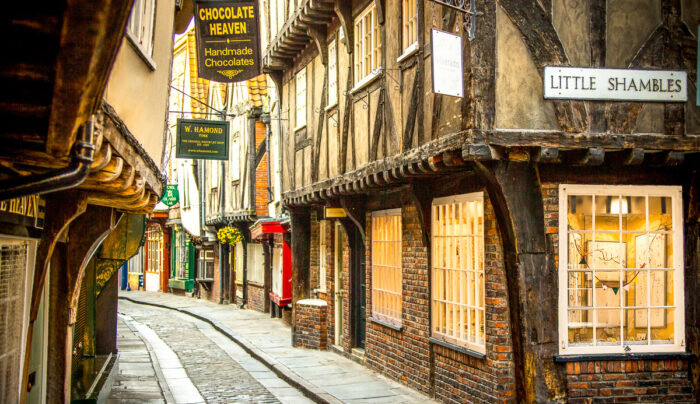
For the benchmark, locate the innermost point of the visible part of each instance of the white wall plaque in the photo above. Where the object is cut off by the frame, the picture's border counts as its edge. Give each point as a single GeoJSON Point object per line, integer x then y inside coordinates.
{"type": "Point", "coordinates": [587, 83]}
{"type": "Point", "coordinates": [447, 63]}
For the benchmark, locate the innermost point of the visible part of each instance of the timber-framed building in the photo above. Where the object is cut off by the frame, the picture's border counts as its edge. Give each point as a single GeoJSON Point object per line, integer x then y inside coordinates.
{"type": "Point", "coordinates": [500, 246]}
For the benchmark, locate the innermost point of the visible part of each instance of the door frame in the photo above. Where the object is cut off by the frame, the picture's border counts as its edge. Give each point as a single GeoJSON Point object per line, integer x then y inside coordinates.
{"type": "Point", "coordinates": [338, 289]}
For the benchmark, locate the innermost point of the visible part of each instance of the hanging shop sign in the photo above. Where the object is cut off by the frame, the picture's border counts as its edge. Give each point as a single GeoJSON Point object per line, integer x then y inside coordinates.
{"type": "Point", "coordinates": [171, 196]}
{"type": "Point", "coordinates": [26, 211]}
{"type": "Point", "coordinates": [228, 40]}
{"type": "Point", "coordinates": [201, 139]}
{"type": "Point", "coordinates": [447, 63]}
{"type": "Point", "coordinates": [582, 83]}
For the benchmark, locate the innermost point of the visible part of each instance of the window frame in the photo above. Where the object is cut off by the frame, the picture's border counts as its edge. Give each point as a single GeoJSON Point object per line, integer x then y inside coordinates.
{"type": "Point", "coordinates": [409, 47]}
{"type": "Point", "coordinates": [673, 192]}
{"type": "Point", "coordinates": [300, 111]}
{"type": "Point", "coordinates": [360, 57]}
{"type": "Point", "coordinates": [332, 74]}
{"type": "Point", "coordinates": [147, 9]}
{"type": "Point", "coordinates": [465, 343]}
{"type": "Point", "coordinates": [382, 315]}
{"type": "Point", "coordinates": [205, 257]}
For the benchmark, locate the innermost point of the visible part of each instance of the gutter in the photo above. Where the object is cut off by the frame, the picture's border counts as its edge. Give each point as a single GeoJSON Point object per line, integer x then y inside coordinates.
{"type": "Point", "coordinates": [60, 179]}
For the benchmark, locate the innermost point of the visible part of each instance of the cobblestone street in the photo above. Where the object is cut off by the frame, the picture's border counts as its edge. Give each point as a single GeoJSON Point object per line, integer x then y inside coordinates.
{"type": "Point", "coordinates": [217, 370]}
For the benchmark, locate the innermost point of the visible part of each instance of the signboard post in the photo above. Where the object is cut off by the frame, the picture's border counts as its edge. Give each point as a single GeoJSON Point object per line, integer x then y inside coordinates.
{"type": "Point", "coordinates": [200, 139]}
{"type": "Point", "coordinates": [228, 40]}
{"type": "Point", "coordinates": [447, 63]}
{"type": "Point", "coordinates": [587, 83]}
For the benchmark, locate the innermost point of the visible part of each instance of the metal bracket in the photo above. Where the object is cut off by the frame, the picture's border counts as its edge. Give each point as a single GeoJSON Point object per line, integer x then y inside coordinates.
{"type": "Point", "coordinates": [469, 23]}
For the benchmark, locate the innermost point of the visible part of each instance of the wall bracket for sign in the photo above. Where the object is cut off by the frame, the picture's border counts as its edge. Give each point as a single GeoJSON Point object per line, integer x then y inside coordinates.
{"type": "Point", "coordinates": [468, 7]}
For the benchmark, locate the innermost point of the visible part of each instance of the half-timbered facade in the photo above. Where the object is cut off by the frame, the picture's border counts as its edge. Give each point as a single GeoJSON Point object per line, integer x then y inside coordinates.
{"type": "Point", "coordinates": [500, 246]}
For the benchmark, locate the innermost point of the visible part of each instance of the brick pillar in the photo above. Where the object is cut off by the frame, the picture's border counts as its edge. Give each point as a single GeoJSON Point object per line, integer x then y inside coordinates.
{"type": "Point", "coordinates": [311, 330]}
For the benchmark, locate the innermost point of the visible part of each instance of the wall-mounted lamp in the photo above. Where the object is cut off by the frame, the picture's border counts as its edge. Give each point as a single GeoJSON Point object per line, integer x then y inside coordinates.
{"type": "Point", "coordinates": [619, 205]}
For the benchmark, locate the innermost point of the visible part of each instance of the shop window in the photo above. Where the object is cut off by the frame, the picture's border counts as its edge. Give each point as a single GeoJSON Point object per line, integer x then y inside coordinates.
{"type": "Point", "coordinates": [182, 257]}
{"type": "Point", "coordinates": [141, 26]}
{"type": "Point", "coordinates": [620, 269]}
{"type": "Point", "coordinates": [256, 263]}
{"type": "Point", "coordinates": [409, 24]}
{"type": "Point", "coordinates": [206, 264]}
{"type": "Point", "coordinates": [332, 73]}
{"type": "Point", "coordinates": [368, 45]}
{"type": "Point", "coordinates": [386, 265]}
{"type": "Point", "coordinates": [154, 245]}
{"type": "Point", "coordinates": [458, 270]}
{"type": "Point", "coordinates": [16, 266]}
{"type": "Point", "coordinates": [135, 263]}
{"type": "Point", "coordinates": [301, 98]}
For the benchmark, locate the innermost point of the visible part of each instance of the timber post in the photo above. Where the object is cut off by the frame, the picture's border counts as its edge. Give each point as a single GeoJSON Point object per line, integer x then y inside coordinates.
{"type": "Point", "coordinates": [515, 192]}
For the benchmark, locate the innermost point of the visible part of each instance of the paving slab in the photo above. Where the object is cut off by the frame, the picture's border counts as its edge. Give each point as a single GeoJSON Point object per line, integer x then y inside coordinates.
{"type": "Point", "coordinates": [324, 376]}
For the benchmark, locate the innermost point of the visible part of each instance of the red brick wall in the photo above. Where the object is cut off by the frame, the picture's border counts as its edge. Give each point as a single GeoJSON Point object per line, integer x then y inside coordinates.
{"type": "Point", "coordinates": [311, 329]}
{"type": "Point", "coordinates": [261, 194]}
{"type": "Point", "coordinates": [620, 380]}
{"type": "Point", "coordinates": [256, 297]}
{"type": "Point", "coordinates": [403, 355]}
{"type": "Point", "coordinates": [463, 378]}
{"type": "Point", "coordinates": [314, 252]}
{"type": "Point", "coordinates": [653, 381]}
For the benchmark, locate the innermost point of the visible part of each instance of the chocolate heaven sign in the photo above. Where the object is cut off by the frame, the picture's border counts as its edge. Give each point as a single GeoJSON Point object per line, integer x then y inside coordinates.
{"type": "Point", "coordinates": [582, 83]}
{"type": "Point", "coordinates": [228, 41]}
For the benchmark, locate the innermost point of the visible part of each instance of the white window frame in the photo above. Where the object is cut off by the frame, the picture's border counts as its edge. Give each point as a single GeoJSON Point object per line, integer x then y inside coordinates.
{"type": "Point", "coordinates": [300, 105]}
{"type": "Point", "coordinates": [474, 346]}
{"type": "Point", "coordinates": [365, 40]}
{"type": "Point", "coordinates": [409, 47]}
{"type": "Point", "coordinates": [332, 74]}
{"type": "Point", "coordinates": [379, 315]}
{"type": "Point", "coordinates": [206, 256]}
{"type": "Point", "coordinates": [675, 193]}
{"type": "Point", "coordinates": [140, 30]}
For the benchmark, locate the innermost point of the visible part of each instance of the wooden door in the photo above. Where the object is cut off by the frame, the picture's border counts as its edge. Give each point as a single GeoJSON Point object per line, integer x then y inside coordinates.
{"type": "Point", "coordinates": [339, 286]}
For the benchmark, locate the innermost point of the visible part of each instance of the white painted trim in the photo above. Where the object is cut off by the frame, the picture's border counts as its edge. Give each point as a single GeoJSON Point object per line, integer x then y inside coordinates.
{"type": "Point", "coordinates": [370, 78]}
{"type": "Point", "coordinates": [410, 50]}
{"type": "Point", "coordinates": [675, 192]}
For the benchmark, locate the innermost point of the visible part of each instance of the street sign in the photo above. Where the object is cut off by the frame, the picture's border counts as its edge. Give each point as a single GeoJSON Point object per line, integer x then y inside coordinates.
{"type": "Point", "coordinates": [201, 139]}
{"type": "Point", "coordinates": [590, 83]}
{"type": "Point", "coordinates": [228, 40]}
{"type": "Point", "coordinates": [171, 196]}
{"type": "Point", "coordinates": [447, 63]}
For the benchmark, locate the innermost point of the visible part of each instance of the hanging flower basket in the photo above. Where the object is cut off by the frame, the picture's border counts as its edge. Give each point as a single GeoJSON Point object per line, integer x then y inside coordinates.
{"type": "Point", "coordinates": [229, 235]}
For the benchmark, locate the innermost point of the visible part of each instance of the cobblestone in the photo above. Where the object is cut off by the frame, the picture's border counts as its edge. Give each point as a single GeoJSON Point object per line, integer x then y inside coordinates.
{"type": "Point", "coordinates": [218, 378]}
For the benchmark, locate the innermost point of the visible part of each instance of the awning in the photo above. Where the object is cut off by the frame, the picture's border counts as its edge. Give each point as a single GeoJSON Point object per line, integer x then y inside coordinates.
{"type": "Point", "coordinates": [266, 228]}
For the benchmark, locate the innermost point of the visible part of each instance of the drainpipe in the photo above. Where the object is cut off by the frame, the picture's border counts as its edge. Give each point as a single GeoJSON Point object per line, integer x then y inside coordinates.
{"type": "Point", "coordinates": [221, 274]}
{"type": "Point", "coordinates": [60, 179]}
{"type": "Point", "coordinates": [279, 142]}
{"type": "Point", "coordinates": [268, 130]}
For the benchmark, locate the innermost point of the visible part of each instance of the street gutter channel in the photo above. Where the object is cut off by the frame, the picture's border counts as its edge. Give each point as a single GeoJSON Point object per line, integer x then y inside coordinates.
{"type": "Point", "coordinates": [283, 372]}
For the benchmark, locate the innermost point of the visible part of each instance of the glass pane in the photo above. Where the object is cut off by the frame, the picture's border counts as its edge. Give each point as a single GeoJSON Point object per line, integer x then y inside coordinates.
{"type": "Point", "coordinates": [576, 251]}
{"type": "Point", "coordinates": [636, 327]}
{"type": "Point", "coordinates": [580, 327]}
{"type": "Point", "coordinates": [635, 219]}
{"type": "Point", "coordinates": [608, 326]}
{"type": "Point", "coordinates": [606, 252]}
{"type": "Point", "coordinates": [660, 213]}
{"type": "Point", "coordinates": [637, 292]}
{"type": "Point", "coordinates": [579, 212]}
{"type": "Point", "coordinates": [481, 327]}
{"type": "Point", "coordinates": [607, 290]}
{"type": "Point", "coordinates": [637, 249]}
{"type": "Point", "coordinates": [663, 318]}
{"type": "Point", "coordinates": [607, 212]}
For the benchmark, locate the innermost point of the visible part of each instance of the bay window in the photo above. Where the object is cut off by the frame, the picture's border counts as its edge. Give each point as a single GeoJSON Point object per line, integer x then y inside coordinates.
{"type": "Point", "coordinates": [620, 269]}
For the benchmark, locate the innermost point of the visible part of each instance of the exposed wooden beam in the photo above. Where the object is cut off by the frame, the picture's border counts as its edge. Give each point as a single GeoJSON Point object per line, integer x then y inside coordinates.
{"type": "Point", "coordinates": [628, 157]}
{"type": "Point", "coordinates": [593, 156]}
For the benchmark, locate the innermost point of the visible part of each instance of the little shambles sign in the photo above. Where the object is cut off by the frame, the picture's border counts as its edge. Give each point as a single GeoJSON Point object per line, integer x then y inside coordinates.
{"type": "Point", "coordinates": [228, 43]}
{"type": "Point", "coordinates": [200, 139]}
{"type": "Point", "coordinates": [582, 83]}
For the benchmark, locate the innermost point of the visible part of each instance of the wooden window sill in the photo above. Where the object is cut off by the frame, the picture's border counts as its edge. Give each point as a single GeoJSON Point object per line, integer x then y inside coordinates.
{"type": "Point", "coordinates": [626, 357]}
